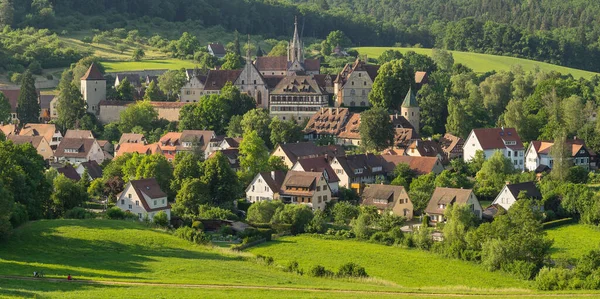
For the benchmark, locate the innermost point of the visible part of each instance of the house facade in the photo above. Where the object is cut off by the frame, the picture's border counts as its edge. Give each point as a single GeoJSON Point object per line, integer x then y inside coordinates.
{"type": "Point", "coordinates": [319, 164]}
{"type": "Point", "coordinates": [297, 97]}
{"type": "Point", "coordinates": [442, 198]}
{"type": "Point", "coordinates": [306, 188]}
{"type": "Point", "coordinates": [143, 198]}
{"type": "Point", "coordinates": [490, 140]}
{"type": "Point", "coordinates": [354, 83]}
{"type": "Point", "coordinates": [290, 153]}
{"type": "Point", "coordinates": [38, 142]}
{"type": "Point", "coordinates": [538, 154]}
{"type": "Point", "coordinates": [388, 198]}
{"type": "Point", "coordinates": [510, 194]}
{"type": "Point", "coordinates": [78, 150]}
{"type": "Point", "coordinates": [265, 186]}
{"type": "Point", "coordinates": [356, 170]}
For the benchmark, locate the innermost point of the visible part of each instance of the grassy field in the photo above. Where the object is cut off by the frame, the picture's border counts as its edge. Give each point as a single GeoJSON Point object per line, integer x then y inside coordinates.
{"type": "Point", "coordinates": [572, 241]}
{"type": "Point", "coordinates": [484, 62]}
{"type": "Point", "coordinates": [147, 64]}
{"type": "Point", "coordinates": [405, 267]}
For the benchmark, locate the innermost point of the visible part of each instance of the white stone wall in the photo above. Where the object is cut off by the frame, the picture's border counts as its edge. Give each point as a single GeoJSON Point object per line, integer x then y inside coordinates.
{"type": "Point", "coordinates": [258, 190]}
{"type": "Point", "coordinates": [355, 91]}
{"type": "Point", "coordinates": [93, 92]}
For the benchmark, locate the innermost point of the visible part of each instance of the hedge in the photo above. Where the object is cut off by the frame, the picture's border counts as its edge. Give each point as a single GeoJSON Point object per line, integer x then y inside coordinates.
{"type": "Point", "coordinates": [559, 222]}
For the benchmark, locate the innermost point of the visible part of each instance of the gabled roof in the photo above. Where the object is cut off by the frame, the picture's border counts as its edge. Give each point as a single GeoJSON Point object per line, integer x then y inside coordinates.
{"type": "Point", "coordinates": [271, 63]}
{"type": "Point", "coordinates": [274, 179]}
{"type": "Point", "coordinates": [93, 73]}
{"type": "Point", "coordinates": [82, 145]}
{"type": "Point", "coordinates": [410, 100]}
{"type": "Point", "coordinates": [69, 172]}
{"type": "Point", "coordinates": [319, 164]}
{"type": "Point", "coordinates": [79, 134]}
{"type": "Point", "coordinates": [139, 148]}
{"type": "Point", "coordinates": [33, 140]}
{"type": "Point", "coordinates": [374, 193]}
{"type": "Point", "coordinates": [132, 138]}
{"type": "Point", "coordinates": [13, 97]}
{"type": "Point", "coordinates": [300, 85]}
{"type": "Point", "coordinates": [272, 80]}
{"type": "Point", "coordinates": [446, 196]}
{"type": "Point", "coordinates": [529, 187]}
{"type": "Point", "coordinates": [94, 170]}
{"type": "Point", "coordinates": [295, 151]}
{"type": "Point", "coordinates": [133, 79]}
{"type": "Point", "coordinates": [451, 144]}
{"type": "Point", "coordinates": [300, 179]}
{"type": "Point", "coordinates": [426, 148]}
{"type": "Point", "coordinates": [45, 101]}
{"type": "Point", "coordinates": [44, 130]}
{"type": "Point", "coordinates": [217, 49]}
{"type": "Point", "coordinates": [419, 76]}
{"type": "Point", "coordinates": [312, 65]}
{"type": "Point", "coordinates": [217, 79]}
{"type": "Point", "coordinates": [366, 162]}
{"type": "Point", "coordinates": [544, 147]}
{"type": "Point", "coordinates": [421, 165]}
{"type": "Point", "coordinates": [495, 138]}
{"type": "Point", "coordinates": [149, 187]}
{"type": "Point", "coordinates": [328, 121]}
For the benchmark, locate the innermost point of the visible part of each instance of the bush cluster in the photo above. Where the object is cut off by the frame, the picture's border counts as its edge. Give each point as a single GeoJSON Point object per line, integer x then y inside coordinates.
{"type": "Point", "coordinates": [78, 213]}
{"type": "Point", "coordinates": [192, 235]}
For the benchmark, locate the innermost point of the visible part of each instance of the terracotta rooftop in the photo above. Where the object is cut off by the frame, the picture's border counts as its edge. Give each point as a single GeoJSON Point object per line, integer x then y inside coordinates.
{"type": "Point", "coordinates": [446, 196]}
{"type": "Point", "coordinates": [495, 138]}
{"type": "Point", "coordinates": [93, 73]}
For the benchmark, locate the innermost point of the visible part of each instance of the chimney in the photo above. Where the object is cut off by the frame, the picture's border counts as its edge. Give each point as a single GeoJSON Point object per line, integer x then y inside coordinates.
{"type": "Point", "coordinates": [507, 182]}
{"type": "Point", "coordinates": [273, 175]}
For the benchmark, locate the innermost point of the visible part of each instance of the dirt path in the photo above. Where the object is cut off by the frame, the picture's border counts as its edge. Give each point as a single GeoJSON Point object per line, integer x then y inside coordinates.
{"type": "Point", "coordinates": [275, 288]}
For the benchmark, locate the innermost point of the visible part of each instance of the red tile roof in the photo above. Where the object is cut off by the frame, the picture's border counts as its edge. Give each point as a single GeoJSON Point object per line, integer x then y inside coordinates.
{"type": "Point", "coordinates": [216, 79]}
{"type": "Point", "coordinates": [495, 138]}
{"type": "Point", "coordinates": [271, 63]}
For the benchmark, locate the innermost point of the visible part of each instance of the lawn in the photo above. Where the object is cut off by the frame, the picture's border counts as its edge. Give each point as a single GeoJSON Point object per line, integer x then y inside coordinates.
{"type": "Point", "coordinates": [128, 251]}
{"type": "Point", "coordinates": [483, 62]}
{"type": "Point", "coordinates": [405, 267]}
{"type": "Point", "coordinates": [147, 64]}
{"type": "Point", "coordinates": [573, 241]}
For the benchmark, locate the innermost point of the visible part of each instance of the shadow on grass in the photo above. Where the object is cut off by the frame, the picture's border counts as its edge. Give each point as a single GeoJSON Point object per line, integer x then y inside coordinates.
{"type": "Point", "coordinates": [42, 243]}
{"type": "Point", "coordinates": [37, 288]}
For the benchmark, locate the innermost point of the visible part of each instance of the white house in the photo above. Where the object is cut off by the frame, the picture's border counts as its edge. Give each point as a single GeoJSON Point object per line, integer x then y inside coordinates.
{"type": "Point", "coordinates": [538, 154]}
{"type": "Point", "coordinates": [444, 197]}
{"type": "Point", "coordinates": [490, 140]}
{"type": "Point", "coordinates": [144, 197]}
{"type": "Point", "coordinates": [78, 150]}
{"type": "Point", "coordinates": [510, 193]}
{"type": "Point", "coordinates": [265, 186]}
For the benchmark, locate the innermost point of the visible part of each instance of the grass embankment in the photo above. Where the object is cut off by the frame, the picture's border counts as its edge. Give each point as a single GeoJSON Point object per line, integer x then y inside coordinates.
{"type": "Point", "coordinates": [484, 62]}
{"type": "Point", "coordinates": [573, 241]}
{"type": "Point", "coordinates": [406, 267]}
{"type": "Point", "coordinates": [147, 64]}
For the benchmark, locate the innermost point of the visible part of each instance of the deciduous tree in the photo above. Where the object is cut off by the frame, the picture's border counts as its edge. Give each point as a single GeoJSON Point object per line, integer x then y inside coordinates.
{"type": "Point", "coordinates": [376, 130]}
{"type": "Point", "coordinates": [392, 84]}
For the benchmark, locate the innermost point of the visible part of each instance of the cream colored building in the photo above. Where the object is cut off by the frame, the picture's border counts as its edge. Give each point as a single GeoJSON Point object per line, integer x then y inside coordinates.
{"type": "Point", "coordinates": [388, 198]}
{"type": "Point", "coordinates": [354, 83]}
{"type": "Point", "coordinates": [38, 142]}
{"type": "Point", "coordinates": [144, 198]}
{"type": "Point", "coordinates": [93, 88]}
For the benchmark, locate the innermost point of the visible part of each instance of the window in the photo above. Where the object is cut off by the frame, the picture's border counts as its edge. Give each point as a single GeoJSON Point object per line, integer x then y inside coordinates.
{"type": "Point", "coordinates": [129, 195]}
{"type": "Point", "coordinates": [242, 81]}
{"type": "Point", "coordinates": [155, 202]}
{"type": "Point", "coordinates": [163, 201]}
{"type": "Point", "coordinates": [509, 153]}
{"type": "Point", "coordinates": [252, 188]}
{"type": "Point", "coordinates": [254, 81]}
{"type": "Point", "coordinates": [137, 203]}
{"type": "Point", "coordinates": [324, 187]}
{"type": "Point", "coordinates": [318, 188]}
{"type": "Point", "coordinates": [122, 202]}
{"type": "Point", "coordinates": [324, 197]}
{"type": "Point", "coordinates": [352, 83]}
{"type": "Point", "coordinates": [359, 75]}
{"type": "Point", "coordinates": [130, 207]}
{"type": "Point", "coordinates": [365, 83]}
{"type": "Point", "coordinates": [140, 215]}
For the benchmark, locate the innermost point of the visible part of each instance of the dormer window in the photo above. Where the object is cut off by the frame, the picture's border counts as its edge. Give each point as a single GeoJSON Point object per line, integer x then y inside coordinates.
{"type": "Point", "coordinates": [508, 142]}
{"type": "Point", "coordinates": [358, 171]}
{"type": "Point", "coordinates": [187, 144]}
{"type": "Point", "coordinates": [442, 206]}
{"type": "Point", "coordinates": [377, 168]}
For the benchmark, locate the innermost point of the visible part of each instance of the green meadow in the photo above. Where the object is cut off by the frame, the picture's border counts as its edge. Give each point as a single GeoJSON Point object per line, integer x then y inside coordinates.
{"type": "Point", "coordinates": [574, 240]}
{"type": "Point", "coordinates": [484, 62]}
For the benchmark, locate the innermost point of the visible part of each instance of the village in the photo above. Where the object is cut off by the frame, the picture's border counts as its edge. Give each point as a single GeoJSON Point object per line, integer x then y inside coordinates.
{"type": "Point", "coordinates": [276, 148]}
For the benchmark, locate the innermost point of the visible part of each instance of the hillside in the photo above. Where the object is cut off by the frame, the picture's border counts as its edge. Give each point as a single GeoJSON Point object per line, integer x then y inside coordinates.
{"type": "Point", "coordinates": [573, 241]}
{"type": "Point", "coordinates": [484, 62]}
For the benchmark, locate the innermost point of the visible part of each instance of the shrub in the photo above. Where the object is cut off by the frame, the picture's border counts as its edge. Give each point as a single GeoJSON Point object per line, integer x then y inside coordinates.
{"type": "Point", "coordinates": [553, 279]}
{"type": "Point", "coordinates": [293, 267]}
{"type": "Point", "coordinates": [320, 271]}
{"type": "Point", "coordinates": [521, 269]}
{"type": "Point", "coordinates": [226, 231]}
{"type": "Point", "coordinates": [192, 235]}
{"type": "Point", "coordinates": [408, 241]}
{"type": "Point", "coordinates": [197, 225]}
{"type": "Point", "coordinates": [115, 213]}
{"type": "Point", "coordinates": [16, 78]}
{"type": "Point", "coordinates": [422, 239]}
{"type": "Point", "coordinates": [266, 233]}
{"type": "Point", "coordinates": [76, 213]}
{"type": "Point", "coordinates": [19, 215]}
{"type": "Point", "coordinates": [425, 221]}
{"type": "Point", "coordinates": [352, 270]}
{"type": "Point", "coordinates": [592, 281]}
{"type": "Point", "coordinates": [382, 238]}
{"type": "Point", "coordinates": [209, 212]}
{"type": "Point", "coordinates": [267, 260]}
{"type": "Point", "coordinates": [161, 219]}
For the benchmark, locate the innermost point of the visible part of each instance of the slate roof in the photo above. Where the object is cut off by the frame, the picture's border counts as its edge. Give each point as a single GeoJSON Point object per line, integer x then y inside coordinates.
{"type": "Point", "coordinates": [494, 138]}
{"type": "Point", "coordinates": [366, 162]}
{"type": "Point", "coordinates": [529, 187]}
{"type": "Point", "coordinates": [217, 49]}
{"type": "Point", "coordinates": [69, 172]}
{"type": "Point", "coordinates": [372, 193]}
{"type": "Point", "coordinates": [446, 196]}
{"type": "Point", "coordinates": [426, 148]}
{"type": "Point", "coordinates": [410, 100]}
{"type": "Point", "coordinates": [217, 79]}
{"type": "Point", "coordinates": [295, 151]}
{"type": "Point", "coordinates": [271, 63]}
{"type": "Point", "coordinates": [94, 170]}
{"type": "Point", "coordinates": [134, 79]}
{"type": "Point", "coordinates": [83, 146]}
{"type": "Point", "coordinates": [93, 73]}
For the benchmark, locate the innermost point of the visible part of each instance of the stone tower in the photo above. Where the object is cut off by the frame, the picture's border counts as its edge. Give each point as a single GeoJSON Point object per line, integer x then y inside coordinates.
{"type": "Point", "coordinates": [93, 88]}
{"type": "Point", "coordinates": [295, 48]}
{"type": "Point", "coordinates": [410, 110]}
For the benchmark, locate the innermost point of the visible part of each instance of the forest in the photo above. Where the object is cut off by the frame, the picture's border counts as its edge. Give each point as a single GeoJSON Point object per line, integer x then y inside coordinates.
{"type": "Point", "coordinates": [559, 32]}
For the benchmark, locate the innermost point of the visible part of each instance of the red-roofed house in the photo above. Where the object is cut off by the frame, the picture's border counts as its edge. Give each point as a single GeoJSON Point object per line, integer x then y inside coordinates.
{"type": "Point", "coordinates": [538, 153]}
{"type": "Point", "coordinates": [490, 140]}
{"type": "Point", "coordinates": [354, 83]}
{"type": "Point", "coordinates": [144, 197]}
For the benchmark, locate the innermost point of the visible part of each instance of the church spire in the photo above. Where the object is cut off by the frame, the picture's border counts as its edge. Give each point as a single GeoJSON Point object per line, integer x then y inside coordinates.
{"type": "Point", "coordinates": [295, 47]}
{"type": "Point", "coordinates": [248, 59]}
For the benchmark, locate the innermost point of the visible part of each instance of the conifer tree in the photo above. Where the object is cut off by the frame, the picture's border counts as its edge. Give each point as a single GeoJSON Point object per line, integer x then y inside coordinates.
{"type": "Point", "coordinates": [28, 109]}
